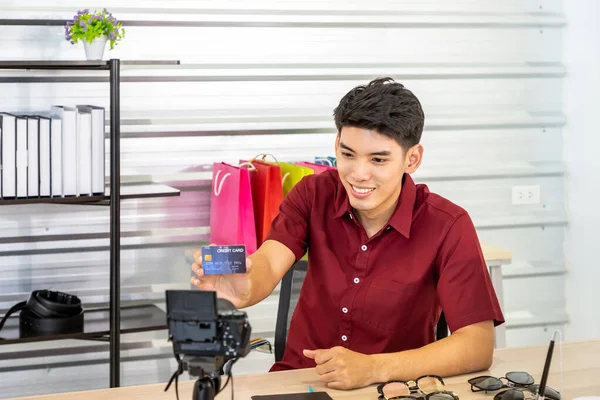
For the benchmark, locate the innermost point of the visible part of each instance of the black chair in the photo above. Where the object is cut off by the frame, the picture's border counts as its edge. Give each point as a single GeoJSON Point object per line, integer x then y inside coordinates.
{"type": "Point", "coordinates": [441, 330]}
{"type": "Point", "coordinates": [288, 298]}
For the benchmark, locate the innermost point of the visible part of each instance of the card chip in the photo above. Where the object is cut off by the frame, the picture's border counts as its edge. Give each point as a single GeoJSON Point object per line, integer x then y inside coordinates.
{"type": "Point", "coordinates": [208, 257]}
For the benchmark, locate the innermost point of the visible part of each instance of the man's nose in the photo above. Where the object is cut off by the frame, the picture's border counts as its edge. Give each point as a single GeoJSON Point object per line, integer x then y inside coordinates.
{"type": "Point", "coordinates": [361, 172]}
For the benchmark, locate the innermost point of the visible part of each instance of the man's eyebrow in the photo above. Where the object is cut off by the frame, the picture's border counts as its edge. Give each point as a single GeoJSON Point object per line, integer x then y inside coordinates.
{"type": "Point", "coordinates": [380, 153]}
{"type": "Point", "coordinates": [376, 153]}
{"type": "Point", "coordinates": [343, 146]}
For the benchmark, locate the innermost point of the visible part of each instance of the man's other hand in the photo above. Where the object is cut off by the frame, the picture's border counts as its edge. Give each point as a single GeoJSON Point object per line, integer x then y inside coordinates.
{"type": "Point", "coordinates": [341, 368]}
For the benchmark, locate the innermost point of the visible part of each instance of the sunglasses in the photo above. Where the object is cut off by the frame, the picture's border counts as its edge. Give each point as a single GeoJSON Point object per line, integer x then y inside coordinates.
{"type": "Point", "coordinates": [517, 394]}
{"type": "Point", "coordinates": [431, 387]}
{"type": "Point", "coordinates": [516, 380]}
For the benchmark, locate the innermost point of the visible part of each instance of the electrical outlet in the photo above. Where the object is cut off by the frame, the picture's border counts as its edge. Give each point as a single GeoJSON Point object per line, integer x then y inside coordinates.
{"type": "Point", "coordinates": [526, 194]}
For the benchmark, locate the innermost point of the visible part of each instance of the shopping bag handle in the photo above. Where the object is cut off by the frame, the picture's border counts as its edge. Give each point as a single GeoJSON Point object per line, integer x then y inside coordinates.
{"type": "Point", "coordinates": [219, 184]}
{"type": "Point", "coordinates": [264, 156]}
{"type": "Point", "coordinates": [284, 178]}
{"type": "Point", "coordinates": [248, 164]}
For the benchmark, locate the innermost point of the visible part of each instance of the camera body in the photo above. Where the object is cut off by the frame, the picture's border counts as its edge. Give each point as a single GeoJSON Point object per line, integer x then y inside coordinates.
{"type": "Point", "coordinates": [206, 332]}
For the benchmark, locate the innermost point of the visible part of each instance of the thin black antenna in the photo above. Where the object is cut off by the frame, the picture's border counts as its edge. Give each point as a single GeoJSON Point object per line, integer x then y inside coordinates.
{"type": "Point", "coordinates": [542, 388]}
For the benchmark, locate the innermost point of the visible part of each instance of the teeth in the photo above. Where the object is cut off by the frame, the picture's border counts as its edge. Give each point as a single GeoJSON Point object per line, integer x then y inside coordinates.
{"type": "Point", "coordinates": [359, 190]}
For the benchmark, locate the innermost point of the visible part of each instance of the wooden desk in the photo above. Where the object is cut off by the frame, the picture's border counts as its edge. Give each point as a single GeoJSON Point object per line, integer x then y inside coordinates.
{"type": "Point", "coordinates": [581, 368]}
{"type": "Point", "coordinates": [495, 257]}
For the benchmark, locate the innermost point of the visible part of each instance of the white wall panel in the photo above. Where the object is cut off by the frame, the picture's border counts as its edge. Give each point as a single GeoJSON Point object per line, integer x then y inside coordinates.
{"type": "Point", "coordinates": [581, 146]}
{"type": "Point", "coordinates": [477, 96]}
{"type": "Point", "coordinates": [264, 76]}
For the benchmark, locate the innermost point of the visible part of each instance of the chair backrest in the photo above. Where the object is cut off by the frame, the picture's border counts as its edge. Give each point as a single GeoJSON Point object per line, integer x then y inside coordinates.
{"type": "Point", "coordinates": [289, 294]}
{"type": "Point", "coordinates": [441, 330]}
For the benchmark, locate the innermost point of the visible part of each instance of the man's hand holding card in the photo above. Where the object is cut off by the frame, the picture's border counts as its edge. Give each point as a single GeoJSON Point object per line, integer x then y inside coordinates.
{"type": "Point", "coordinates": [224, 269]}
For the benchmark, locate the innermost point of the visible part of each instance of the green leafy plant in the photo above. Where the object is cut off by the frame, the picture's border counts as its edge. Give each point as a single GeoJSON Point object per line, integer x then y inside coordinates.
{"type": "Point", "coordinates": [89, 26]}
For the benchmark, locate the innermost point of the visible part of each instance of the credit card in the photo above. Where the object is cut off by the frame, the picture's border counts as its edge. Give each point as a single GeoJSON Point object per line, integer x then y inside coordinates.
{"type": "Point", "coordinates": [224, 259]}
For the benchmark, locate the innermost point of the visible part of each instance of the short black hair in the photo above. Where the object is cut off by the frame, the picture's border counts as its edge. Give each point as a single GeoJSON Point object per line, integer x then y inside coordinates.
{"type": "Point", "coordinates": [385, 106]}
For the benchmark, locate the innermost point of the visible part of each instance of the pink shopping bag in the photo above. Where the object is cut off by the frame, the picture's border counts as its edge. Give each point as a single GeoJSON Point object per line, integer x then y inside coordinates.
{"type": "Point", "coordinates": [318, 168]}
{"type": "Point", "coordinates": [231, 208]}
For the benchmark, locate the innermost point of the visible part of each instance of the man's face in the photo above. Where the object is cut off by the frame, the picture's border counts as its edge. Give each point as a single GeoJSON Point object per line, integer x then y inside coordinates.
{"type": "Point", "coordinates": [371, 167]}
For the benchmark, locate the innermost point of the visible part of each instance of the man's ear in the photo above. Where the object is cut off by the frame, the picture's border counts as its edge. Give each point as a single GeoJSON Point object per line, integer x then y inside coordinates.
{"type": "Point", "coordinates": [414, 157]}
{"type": "Point", "coordinates": [337, 141]}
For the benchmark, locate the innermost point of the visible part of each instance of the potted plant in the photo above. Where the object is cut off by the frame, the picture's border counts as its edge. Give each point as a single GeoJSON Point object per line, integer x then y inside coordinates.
{"type": "Point", "coordinates": [94, 30]}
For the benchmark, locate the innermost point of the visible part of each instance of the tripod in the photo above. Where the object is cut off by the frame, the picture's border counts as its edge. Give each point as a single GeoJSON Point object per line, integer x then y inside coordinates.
{"type": "Point", "coordinates": [206, 387]}
{"type": "Point", "coordinates": [209, 370]}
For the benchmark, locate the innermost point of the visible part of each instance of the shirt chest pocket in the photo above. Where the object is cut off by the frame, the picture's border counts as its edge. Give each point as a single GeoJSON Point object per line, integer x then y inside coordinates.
{"type": "Point", "coordinates": [389, 305]}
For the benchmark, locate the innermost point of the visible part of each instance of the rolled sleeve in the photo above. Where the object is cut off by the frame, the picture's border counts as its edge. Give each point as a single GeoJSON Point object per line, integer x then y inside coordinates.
{"type": "Point", "coordinates": [465, 289]}
{"type": "Point", "coordinates": [290, 226]}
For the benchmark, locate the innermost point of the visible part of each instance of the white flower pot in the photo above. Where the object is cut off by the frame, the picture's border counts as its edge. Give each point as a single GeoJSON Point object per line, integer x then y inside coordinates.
{"type": "Point", "coordinates": [95, 51]}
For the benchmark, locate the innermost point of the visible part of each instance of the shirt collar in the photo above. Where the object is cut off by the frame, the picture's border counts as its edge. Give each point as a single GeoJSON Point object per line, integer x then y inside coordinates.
{"type": "Point", "coordinates": [401, 219]}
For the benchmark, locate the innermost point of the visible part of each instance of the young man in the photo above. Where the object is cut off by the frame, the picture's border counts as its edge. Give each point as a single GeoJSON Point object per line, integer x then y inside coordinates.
{"type": "Point", "coordinates": [386, 256]}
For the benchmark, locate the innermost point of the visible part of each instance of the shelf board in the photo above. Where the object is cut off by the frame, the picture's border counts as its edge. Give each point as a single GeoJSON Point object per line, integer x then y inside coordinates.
{"type": "Point", "coordinates": [490, 171]}
{"type": "Point", "coordinates": [77, 64]}
{"type": "Point", "coordinates": [201, 123]}
{"type": "Point", "coordinates": [144, 190]}
{"type": "Point", "coordinates": [436, 173]}
{"type": "Point", "coordinates": [498, 220]}
{"type": "Point", "coordinates": [96, 325]}
{"type": "Point", "coordinates": [310, 72]}
{"type": "Point", "coordinates": [128, 191]}
{"type": "Point", "coordinates": [535, 318]}
{"type": "Point", "coordinates": [532, 269]}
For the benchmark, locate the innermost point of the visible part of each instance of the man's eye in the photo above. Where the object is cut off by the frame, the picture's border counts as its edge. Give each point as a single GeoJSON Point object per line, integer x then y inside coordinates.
{"type": "Point", "coordinates": [346, 154]}
{"type": "Point", "coordinates": [379, 160]}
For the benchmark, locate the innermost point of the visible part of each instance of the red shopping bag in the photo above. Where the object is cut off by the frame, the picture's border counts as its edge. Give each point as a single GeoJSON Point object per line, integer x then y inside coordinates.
{"type": "Point", "coordinates": [232, 219]}
{"type": "Point", "coordinates": [267, 195]}
{"type": "Point", "coordinates": [318, 168]}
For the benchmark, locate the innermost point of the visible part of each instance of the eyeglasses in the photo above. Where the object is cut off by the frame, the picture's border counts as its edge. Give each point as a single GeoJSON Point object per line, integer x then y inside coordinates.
{"type": "Point", "coordinates": [516, 381]}
{"type": "Point", "coordinates": [517, 394]}
{"type": "Point", "coordinates": [431, 387]}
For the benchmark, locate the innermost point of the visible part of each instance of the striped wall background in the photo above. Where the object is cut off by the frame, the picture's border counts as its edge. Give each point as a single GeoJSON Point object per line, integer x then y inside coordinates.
{"type": "Point", "coordinates": [264, 76]}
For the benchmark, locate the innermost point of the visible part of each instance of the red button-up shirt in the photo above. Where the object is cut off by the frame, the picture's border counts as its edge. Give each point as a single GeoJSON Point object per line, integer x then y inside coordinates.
{"type": "Point", "coordinates": [385, 293]}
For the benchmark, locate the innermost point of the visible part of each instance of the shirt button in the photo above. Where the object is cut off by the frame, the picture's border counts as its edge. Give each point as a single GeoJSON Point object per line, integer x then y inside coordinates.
{"type": "Point", "coordinates": [345, 310]}
{"type": "Point", "coordinates": [388, 228]}
{"type": "Point", "coordinates": [344, 338]}
{"type": "Point", "coordinates": [364, 247]}
{"type": "Point", "coordinates": [356, 280]}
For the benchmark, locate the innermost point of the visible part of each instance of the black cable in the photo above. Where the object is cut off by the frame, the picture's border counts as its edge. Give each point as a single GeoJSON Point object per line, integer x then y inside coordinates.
{"type": "Point", "coordinates": [175, 376]}
{"type": "Point", "coordinates": [228, 368]}
{"type": "Point", "coordinates": [17, 307]}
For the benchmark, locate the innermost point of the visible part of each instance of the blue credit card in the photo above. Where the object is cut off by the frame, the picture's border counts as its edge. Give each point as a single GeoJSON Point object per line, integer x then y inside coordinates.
{"type": "Point", "coordinates": [224, 259]}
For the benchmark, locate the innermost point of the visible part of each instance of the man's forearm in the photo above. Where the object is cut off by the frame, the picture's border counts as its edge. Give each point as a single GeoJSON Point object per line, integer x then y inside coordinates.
{"type": "Point", "coordinates": [262, 277]}
{"type": "Point", "coordinates": [462, 352]}
{"type": "Point", "coordinates": [269, 264]}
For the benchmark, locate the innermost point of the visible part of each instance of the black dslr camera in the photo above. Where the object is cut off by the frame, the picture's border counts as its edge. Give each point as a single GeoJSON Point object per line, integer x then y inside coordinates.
{"type": "Point", "coordinates": [208, 336]}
